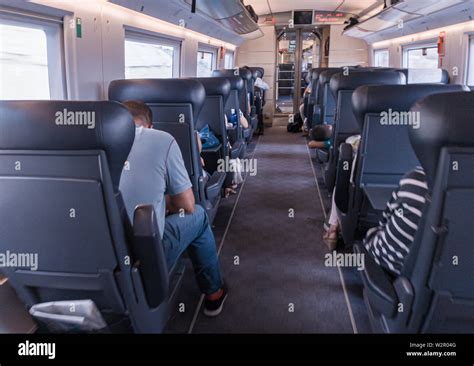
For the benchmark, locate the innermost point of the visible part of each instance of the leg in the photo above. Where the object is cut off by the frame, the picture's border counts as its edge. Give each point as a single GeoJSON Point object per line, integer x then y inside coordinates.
{"type": "Point", "coordinates": [331, 236]}
{"type": "Point", "coordinates": [192, 232]}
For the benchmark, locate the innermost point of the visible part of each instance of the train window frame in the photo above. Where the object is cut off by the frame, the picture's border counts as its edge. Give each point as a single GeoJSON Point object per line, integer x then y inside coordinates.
{"type": "Point", "coordinates": [155, 40]}
{"type": "Point", "coordinates": [380, 50]}
{"type": "Point", "coordinates": [231, 56]}
{"type": "Point", "coordinates": [53, 29]}
{"type": "Point", "coordinates": [209, 50]}
{"type": "Point", "coordinates": [417, 46]}
{"type": "Point", "coordinates": [470, 61]}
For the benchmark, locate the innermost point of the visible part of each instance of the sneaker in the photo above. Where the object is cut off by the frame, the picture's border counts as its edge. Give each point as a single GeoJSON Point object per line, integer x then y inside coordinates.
{"type": "Point", "coordinates": [213, 308]}
{"type": "Point", "coordinates": [326, 225]}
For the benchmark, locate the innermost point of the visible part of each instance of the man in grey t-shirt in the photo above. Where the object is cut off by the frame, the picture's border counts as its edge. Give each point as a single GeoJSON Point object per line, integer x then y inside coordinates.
{"type": "Point", "coordinates": [155, 174]}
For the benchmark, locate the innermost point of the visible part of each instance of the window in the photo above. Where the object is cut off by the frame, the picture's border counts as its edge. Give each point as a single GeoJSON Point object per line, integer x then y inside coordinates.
{"type": "Point", "coordinates": [206, 61]}
{"type": "Point", "coordinates": [421, 57]}
{"type": "Point", "coordinates": [470, 64]}
{"type": "Point", "coordinates": [381, 58]}
{"type": "Point", "coordinates": [149, 57]}
{"type": "Point", "coordinates": [30, 59]}
{"type": "Point", "coordinates": [229, 60]}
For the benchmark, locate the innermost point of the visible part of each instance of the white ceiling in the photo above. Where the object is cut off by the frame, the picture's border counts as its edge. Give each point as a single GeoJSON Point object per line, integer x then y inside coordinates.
{"type": "Point", "coordinates": [277, 6]}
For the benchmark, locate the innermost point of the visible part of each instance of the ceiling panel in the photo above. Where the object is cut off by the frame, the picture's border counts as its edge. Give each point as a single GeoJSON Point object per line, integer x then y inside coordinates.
{"type": "Point", "coordinates": [350, 6]}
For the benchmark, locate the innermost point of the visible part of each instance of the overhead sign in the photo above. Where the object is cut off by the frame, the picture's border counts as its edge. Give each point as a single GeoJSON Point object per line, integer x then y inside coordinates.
{"type": "Point", "coordinates": [330, 17]}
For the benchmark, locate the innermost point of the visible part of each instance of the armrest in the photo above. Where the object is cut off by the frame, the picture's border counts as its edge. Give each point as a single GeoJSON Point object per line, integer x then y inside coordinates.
{"type": "Point", "coordinates": [378, 284]}
{"type": "Point", "coordinates": [343, 176]}
{"type": "Point", "coordinates": [253, 121]}
{"type": "Point", "coordinates": [214, 184]}
{"type": "Point", "coordinates": [237, 150]}
{"type": "Point", "coordinates": [149, 255]}
{"type": "Point", "coordinates": [232, 134]}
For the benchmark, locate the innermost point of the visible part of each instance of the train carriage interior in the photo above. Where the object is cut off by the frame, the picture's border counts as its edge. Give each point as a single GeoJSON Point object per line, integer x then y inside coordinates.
{"type": "Point", "coordinates": [236, 167]}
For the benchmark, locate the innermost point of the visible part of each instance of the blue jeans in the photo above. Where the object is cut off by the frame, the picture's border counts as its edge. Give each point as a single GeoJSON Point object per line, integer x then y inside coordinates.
{"type": "Point", "coordinates": [193, 233]}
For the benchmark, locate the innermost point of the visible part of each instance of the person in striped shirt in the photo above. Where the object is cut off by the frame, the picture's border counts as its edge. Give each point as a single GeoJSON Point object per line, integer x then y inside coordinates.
{"type": "Point", "coordinates": [389, 243]}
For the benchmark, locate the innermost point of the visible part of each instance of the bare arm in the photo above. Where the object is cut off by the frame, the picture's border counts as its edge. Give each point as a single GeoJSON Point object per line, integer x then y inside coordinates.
{"type": "Point", "coordinates": [184, 200]}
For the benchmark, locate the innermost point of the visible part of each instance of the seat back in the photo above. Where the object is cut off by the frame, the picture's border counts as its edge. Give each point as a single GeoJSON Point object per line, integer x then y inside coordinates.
{"type": "Point", "coordinates": [325, 98]}
{"type": "Point", "coordinates": [212, 112]}
{"type": "Point", "coordinates": [342, 85]}
{"type": "Point", "coordinates": [254, 73]}
{"type": "Point", "coordinates": [439, 266]}
{"type": "Point", "coordinates": [235, 95]}
{"type": "Point", "coordinates": [176, 104]}
{"type": "Point", "coordinates": [60, 167]}
{"type": "Point", "coordinates": [382, 112]}
{"type": "Point", "coordinates": [247, 94]}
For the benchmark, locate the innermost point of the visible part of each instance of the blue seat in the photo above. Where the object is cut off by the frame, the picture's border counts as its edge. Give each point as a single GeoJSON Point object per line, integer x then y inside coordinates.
{"type": "Point", "coordinates": [259, 98]}
{"type": "Point", "coordinates": [378, 167]}
{"type": "Point", "coordinates": [435, 286]}
{"type": "Point", "coordinates": [244, 98]}
{"type": "Point", "coordinates": [176, 104]}
{"type": "Point", "coordinates": [62, 181]}
{"type": "Point", "coordinates": [212, 114]}
{"type": "Point", "coordinates": [342, 85]}
{"type": "Point", "coordinates": [236, 135]}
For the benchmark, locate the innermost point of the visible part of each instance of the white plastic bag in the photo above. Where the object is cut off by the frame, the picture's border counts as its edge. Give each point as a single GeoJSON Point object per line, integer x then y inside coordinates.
{"type": "Point", "coordinates": [69, 316]}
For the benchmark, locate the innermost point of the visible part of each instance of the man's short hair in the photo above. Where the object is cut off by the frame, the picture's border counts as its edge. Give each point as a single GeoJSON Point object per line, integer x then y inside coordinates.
{"type": "Point", "coordinates": [321, 132]}
{"type": "Point", "coordinates": [140, 110]}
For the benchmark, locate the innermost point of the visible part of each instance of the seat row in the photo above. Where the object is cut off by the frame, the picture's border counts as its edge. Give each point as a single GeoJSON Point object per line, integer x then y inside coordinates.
{"type": "Point", "coordinates": [60, 168]}
{"type": "Point", "coordinates": [403, 126]}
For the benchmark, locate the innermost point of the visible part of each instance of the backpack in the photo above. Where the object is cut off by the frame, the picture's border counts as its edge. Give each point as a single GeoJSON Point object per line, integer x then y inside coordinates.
{"type": "Point", "coordinates": [296, 125]}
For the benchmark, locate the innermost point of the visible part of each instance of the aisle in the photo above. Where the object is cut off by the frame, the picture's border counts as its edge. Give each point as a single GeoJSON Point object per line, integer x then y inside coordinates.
{"type": "Point", "coordinates": [273, 261]}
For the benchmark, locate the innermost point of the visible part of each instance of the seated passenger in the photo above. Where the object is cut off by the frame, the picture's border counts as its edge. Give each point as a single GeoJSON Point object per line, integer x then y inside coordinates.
{"type": "Point", "coordinates": [389, 242]}
{"type": "Point", "coordinates": [321, 138]}
{"type": "Point", "coordinates": [259, 83]}
{"type": "Point", "coordinates": [303, 116]}
{"type": "Point", "coordinates": [155, 174]}
{"type": "Point", "coordinates": [243, 121]}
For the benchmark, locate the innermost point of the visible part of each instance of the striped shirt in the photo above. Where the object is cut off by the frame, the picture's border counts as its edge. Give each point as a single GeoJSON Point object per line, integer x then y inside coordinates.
{"type": "Point", "coordinates": [389, 242]}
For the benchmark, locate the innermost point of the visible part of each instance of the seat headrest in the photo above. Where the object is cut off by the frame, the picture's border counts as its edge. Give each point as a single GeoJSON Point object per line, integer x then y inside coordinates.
{"type": "Point", "coordinates": [236, 82]}
{"type": "Point", "coordinates": [260, 71]}
{"type": "Point", "coordinates": [69, 125]}
{"type": "Point", "coordinates": [446, 120]}
{"type": "Point", "coordinates": [326, 75]}
{"type": "Point", "coordinates": [315, 73]}
{"type": "Point", "coordinates": [380, 98]}
{"type": "Point", "coordinates": [254, 73]}
{"type": "Point", "coordinates": [354, 79]}
{"type": "Point", "coordinates": [404, 71]}
{"type": "Point", "coordinates": [160, 91]}
{"type": "Point", "coordinates": [219, 86]}
{"type": "Point", "coordinates": [245, 74]}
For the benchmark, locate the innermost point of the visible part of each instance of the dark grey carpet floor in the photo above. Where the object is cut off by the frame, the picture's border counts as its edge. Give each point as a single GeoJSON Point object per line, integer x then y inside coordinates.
{"type": "Point", "coordinates": [281, 259]}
